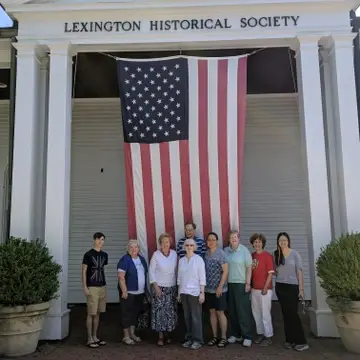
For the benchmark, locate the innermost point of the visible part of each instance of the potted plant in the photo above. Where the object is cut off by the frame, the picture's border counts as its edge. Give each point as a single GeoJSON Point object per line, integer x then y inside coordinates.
{"type": "Point", "coordinates": [338, 268]}
{"type": "Point", "coordinates": [29, 281]}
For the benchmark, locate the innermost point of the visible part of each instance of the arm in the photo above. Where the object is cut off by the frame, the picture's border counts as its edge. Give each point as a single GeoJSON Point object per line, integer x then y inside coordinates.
{"type": "Point", "coordinates": [83, 279]}
{"type": "Point", "coordinates": [152, 275]}
{"type": "Point", "coordinates": [203, 249]}
{"type": "Point", "coordinates": [299, 274]}
{"type": "Point", "coordinates": [121, 268]}
{"type": "Point", "coordinates": [270, 270]}
{"type": "Point", "coordinates": [248, 264]}
{"type": "Point", "coordinates": [225, 268]}
{"type": "Point", "coordinates": [84, 268]}
{"type": "Point", "coordinates": [202, 276]}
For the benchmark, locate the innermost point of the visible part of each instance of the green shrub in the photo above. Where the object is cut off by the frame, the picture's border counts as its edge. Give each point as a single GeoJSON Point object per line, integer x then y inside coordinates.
{"type": "Point", "coordinates": [338, 268]}
{"type": "Point", "coordinates": [28, 273]}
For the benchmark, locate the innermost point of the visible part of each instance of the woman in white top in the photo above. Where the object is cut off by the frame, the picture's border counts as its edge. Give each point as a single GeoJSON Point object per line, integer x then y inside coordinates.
{"type": "Point", "coordinates": [191, 282]}
{"type": "Point", "coordinates": [162, 274]}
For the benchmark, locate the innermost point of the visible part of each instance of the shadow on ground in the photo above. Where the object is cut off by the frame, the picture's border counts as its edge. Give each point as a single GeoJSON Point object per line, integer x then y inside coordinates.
{"type": "Point", "coordinates": [73, 347]}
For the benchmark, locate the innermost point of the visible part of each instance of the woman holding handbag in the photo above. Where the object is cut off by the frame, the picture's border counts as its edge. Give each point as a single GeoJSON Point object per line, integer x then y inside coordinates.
{"type": "Point", "coordinates": [162, 275]}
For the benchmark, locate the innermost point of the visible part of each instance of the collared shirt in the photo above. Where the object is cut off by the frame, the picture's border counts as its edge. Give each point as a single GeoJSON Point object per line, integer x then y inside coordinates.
{"type": "Point", "coordinates": [238, 260]}
{"type": "Point", "coordinates": [200, 247]}
{"type": "Point", "coordinates": [162, 269]}
{"type": "Point", "coordinates": [191, 275]}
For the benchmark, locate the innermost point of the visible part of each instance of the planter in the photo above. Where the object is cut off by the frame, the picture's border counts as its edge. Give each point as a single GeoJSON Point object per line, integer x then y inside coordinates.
{"type": "Point", "coordinates": [20, 328]}
{"type": "Point", "coordinates": [348, 325]}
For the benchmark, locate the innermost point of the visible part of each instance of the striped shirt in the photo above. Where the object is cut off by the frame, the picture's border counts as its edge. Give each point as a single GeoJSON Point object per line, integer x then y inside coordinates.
{"type": "Point", "coordinates": [200, 244]}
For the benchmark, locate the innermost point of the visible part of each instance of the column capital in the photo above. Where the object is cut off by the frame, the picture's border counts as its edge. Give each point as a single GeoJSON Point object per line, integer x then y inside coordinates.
{"type": "Point", "coordinates": [61, 49]}
{"type": "Point", "coordinates": [306, 42]}
{"type": "Point", "coordinates": [29, 49]}
{"type": "Point", "coordinates": [340, 40]}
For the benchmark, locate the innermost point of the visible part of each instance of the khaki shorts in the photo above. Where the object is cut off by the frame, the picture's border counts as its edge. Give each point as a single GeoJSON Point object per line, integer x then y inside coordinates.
{"type": "Point", "coordinates": [96, 301]}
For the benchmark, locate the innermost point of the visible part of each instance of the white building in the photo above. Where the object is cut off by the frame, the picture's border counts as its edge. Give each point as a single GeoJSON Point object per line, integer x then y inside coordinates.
{"type": "Point", "coordinates": [302, 149]}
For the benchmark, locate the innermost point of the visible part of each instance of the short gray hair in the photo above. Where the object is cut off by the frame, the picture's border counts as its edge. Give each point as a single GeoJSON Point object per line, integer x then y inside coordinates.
{"type": "Point", "coordinates": [133, 242]}
{"type": "Point", "coordinates": [187, 241]}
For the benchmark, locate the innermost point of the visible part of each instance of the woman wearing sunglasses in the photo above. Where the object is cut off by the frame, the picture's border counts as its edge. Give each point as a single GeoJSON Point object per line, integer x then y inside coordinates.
{"type": "Point", "coordinates": [191, 282]}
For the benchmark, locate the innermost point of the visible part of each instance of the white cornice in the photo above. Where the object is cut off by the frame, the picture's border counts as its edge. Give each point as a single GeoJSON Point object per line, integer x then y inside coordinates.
{"type": "Point", "coordinates": [16, 6]}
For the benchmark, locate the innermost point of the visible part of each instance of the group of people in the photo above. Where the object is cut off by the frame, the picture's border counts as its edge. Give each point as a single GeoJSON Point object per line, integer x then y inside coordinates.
{"type": "Point", "coordinates": [235, 286]}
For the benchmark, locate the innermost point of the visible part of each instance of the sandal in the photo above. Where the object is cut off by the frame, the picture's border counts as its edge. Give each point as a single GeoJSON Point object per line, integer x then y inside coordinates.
{"type": "Point", "coordinates": [92, 345]}
{"type": "Point", "coordinates": [213, 342]}
{"type": "Point", "coordinates": [160, 342]}
{"type": "Point", "coordinates": [135, 338]}
{"type": "Point", "coordinates": [128, 341]}
{"type": "Point", "coordinates": [222, 343]}
{"type": "Point", "coordinates": [101, 342]}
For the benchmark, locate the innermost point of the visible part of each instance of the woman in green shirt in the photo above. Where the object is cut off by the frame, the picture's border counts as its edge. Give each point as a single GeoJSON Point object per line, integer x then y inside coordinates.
{"type": "Point", "coordinates": [240, 269]}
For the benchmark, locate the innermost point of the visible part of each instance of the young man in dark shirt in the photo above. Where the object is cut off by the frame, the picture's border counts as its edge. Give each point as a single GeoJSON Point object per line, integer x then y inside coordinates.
{"type": "Point", "coordinates": [94, 285]}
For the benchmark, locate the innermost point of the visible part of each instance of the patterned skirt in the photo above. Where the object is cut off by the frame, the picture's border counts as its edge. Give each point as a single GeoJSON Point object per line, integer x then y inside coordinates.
{"type": "Point", "coordinates": [164, 309]}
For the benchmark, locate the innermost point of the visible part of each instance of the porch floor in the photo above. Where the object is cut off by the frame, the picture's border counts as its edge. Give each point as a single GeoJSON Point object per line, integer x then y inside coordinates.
{"type": "Point", "coordinates": [73, 347]}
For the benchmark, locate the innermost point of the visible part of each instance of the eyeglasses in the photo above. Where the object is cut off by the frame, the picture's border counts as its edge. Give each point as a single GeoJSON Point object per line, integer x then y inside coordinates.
{"type": "Point", "coordinates": [188, 245]}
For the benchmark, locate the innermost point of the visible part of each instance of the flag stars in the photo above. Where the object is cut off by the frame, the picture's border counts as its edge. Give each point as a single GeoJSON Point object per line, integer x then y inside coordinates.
{"type": "Point", "coordinates": [139, 82]}
{"type": "Point", "coordinates": [159, 114]}
{"type": "Point", "coordinates": [172, 126]}
{"type": "Point", "coordinates": [177, 92]}
{"type": "Point", "coordinates": [166, 120]}
{"type": "Point", "coordinates": [177, 66]}
{"type": "Point", "coordinates": [134, 115]}
{"type": "Point", "coordinates": [128, 108]}
{"type": "Point", "coordinates": [146, 76]}
{"type": "Point", "coordinates": [147, 128]}
{"type": "Point", "coordinates": [166, 133]}
{"type": "Point", "coordinates": [141, 121]}
{"type": "Point", "coordinates": [158, 75]}
{"type": "Point", "coordinates": [135, 128]}
{"type": "Point", "coordinates": [134, 101]}
{"type": "Point", "coordinates": [172, 99]}
{"type": "Point", "coordinates": [151, 69]}
{"type": "Point", "coordinates": [127, 94]}
{"type": "Point", "coordinates": [129, 121]}
{"type": "Point", "coordinates": [126, 68]}
{"type": "Point", "coordinates": [177, 105]}
{"type": "Point", "coordinates": [171, 73]}
{"type": "Point", "coordinates": [142, 135]}
{"type": "Point", "coordinates": [158, 88]}
{"type": "Point", "coordinates": [130, 135]}
{"type": "Point", "coordinates": [153, 108]}
{"type": "Point", "coordinates": [177, 79]}
{"type": "Point", "coordinates": [160, 127]}
{"type": "Point", "coordinates": [178, 118]}
{"type": "Point", "coordinates": [147, 115]}
{"type": "Point", "coordinates": [127, 81]}
{"type": "Point", "coordinates": [141, 108]}
{"type": "Point", "coordinates": [138, 69]}
{"type": "Point", "coordinates": [159, 101]}
{"type": "Point", "coordinates": [154, 135]}
{"type": "Point", "coordinates": [165, 81]}
{"type": "Point", "coordinates": [178, 132]}
{"type": "Point", "coordinates": [133, 75]}
{"type": "Point", "coordinates": [153, 121]}
{"type": "Point", "coordinates": [171, 86]}
{"type": "Point", "coordinates": [133, 88]}
{"type": "Point", "coordinates": [164, 68]}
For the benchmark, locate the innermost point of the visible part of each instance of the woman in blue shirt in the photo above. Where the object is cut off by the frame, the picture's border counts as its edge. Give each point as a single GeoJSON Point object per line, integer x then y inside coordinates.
{"type": "Point", "coordinates": [132, 274]}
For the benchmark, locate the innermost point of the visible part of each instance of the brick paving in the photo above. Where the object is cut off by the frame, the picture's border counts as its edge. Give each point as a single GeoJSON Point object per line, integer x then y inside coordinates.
{"type": "Point", "coordinates": [73, 347]}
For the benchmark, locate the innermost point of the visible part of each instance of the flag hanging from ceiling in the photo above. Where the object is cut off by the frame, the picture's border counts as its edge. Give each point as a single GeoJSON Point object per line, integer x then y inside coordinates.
{"type": "Point", "coordinates": [183, 124]}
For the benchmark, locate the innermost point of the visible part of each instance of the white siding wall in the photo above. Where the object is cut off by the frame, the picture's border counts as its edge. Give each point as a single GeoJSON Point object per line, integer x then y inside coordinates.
{"type": "Point", "coordinates": [4, 147]}
{"type": "Point", "coordinates": [274, 185]}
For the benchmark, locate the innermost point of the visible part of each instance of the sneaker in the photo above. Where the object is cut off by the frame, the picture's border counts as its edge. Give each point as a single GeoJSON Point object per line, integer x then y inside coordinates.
{"type": "Point", "coordinates": [259, 339]}
{"type": "Point", "coordinates": [195, 345]}
{"type": "Point", "coordinates": [301, 347]}
{"type": "Point", "coordinates": [247, 343]}
{"type": "Point", "coordinates": [187, 344]}
{"type": "Point", "coordinates": [288, 345]}
{"type": "Point", "coordinates": [233, 340]}
{"type": "Point", "coordinates": [266, 342]}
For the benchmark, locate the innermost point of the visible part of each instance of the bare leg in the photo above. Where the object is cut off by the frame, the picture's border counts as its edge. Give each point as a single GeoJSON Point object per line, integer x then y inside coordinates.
{"type": "Point", "coordinates": [126, 332]}
{"type": "Point", "coordinates": [89, 325]}
{"type": "Point", "coordinates": [95, 327]}
{"type": "Point", "coordinates": [223, 323]}
{"type": "Point", "coordinates": [213, 322]}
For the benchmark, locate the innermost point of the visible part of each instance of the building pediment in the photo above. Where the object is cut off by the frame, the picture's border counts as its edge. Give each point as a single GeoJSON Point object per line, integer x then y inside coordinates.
{"type": "Point", "coordinates": [14, 3]}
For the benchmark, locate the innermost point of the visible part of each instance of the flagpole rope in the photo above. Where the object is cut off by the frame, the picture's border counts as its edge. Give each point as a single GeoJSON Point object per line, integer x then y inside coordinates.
{"type": "Point", "coordinates": [183, 56]}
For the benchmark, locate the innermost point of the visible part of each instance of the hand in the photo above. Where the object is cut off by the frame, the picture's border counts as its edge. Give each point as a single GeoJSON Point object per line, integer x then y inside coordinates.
{"type": "Point", "coordinates": [158, 291]}
{"type": "Point", "coordinates": [247, 288]}
{"type": "Point", "coordinates": [124, 295]}
{"type": "Point", "coordinates": [301, 294]}
{"type": "Point", "coordinates": [179, 298]}
{"type": "Point", "coordinates": [201, 298]}
{"type": "Point", "coordinates": [86, 291]}
{"type": "Point", "coordinates": [219, 291]}
{"type": "Point", "coordinates": [264, 291]}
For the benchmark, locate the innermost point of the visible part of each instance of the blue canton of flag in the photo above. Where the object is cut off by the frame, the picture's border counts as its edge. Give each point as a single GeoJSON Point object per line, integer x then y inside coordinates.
{"type": "Point", "coordinates": [154, 100]}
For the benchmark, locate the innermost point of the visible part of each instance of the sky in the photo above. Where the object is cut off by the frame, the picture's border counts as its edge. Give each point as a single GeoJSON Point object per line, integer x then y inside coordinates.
{"type": "Point", "coordinates": [5, 20]}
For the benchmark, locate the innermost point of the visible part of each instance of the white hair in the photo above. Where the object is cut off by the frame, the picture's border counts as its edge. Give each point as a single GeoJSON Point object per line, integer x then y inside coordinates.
{"type": "Point", "coordinates": [190, 241]}
{"type": "Point", "coordinates": [133, 242]}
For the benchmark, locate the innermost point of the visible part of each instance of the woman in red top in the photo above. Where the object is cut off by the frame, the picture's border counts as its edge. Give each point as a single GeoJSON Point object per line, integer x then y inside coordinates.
{"type": "Point", "coordinates": [261, 293]}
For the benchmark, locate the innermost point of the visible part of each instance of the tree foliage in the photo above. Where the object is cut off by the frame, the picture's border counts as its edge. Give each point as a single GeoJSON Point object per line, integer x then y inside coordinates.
{"type": "Point", "coordinates": [338, 268]}
{"type": "Point", "coordinates": [28, 273]}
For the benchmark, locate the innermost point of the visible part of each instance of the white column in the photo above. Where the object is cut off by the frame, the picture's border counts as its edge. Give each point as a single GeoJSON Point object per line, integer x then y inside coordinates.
{"type": "Point", "coordinates": [58, 182]}
{"type": "Point", "coordinates": [314, 155]}
{"type": "Point", "coordinates": [23, 209]}
{"type": "Point", "coordinates": [330, 136]}
{"type": "Point", "coordinates": [41, 149]}
{"type": "Point", "coordinates": [347, 141]}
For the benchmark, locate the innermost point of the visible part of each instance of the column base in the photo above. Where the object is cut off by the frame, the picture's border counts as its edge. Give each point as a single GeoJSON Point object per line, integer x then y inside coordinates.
{"type": "Point", "coordinates": [322, 323]}
{"type": "Point", "coordinates": [56, 326]}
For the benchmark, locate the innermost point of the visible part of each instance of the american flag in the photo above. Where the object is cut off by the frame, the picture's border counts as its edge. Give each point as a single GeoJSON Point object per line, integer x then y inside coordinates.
{"type": "Point", "coordinates": [183, 124]}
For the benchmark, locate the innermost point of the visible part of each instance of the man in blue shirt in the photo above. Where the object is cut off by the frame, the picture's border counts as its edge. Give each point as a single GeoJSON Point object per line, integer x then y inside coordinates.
{"type": "Point", "coordinates": [190, 234]}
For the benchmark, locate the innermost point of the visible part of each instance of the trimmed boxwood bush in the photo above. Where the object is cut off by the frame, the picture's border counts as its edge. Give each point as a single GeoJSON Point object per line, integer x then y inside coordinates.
{"type": "Point", "coordinates": [338, 268]}
{"type": "Point", "coordinates": [29, 275]}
